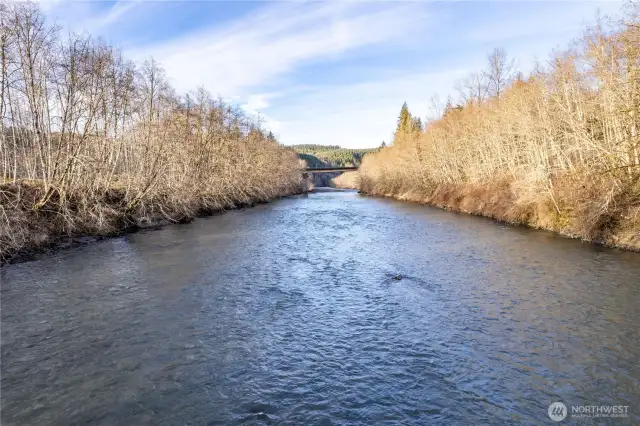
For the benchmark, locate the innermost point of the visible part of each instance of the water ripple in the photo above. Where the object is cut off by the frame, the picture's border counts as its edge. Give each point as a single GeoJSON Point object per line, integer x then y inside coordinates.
{"type": "Point", "coordinates": [323, 309]}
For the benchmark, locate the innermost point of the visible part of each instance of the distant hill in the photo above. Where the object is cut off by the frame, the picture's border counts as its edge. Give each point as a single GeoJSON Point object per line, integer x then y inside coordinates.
{"type": "Point", "coordinates": [331, 155]}
{"type": "Point", "coordinates": [310, 148]}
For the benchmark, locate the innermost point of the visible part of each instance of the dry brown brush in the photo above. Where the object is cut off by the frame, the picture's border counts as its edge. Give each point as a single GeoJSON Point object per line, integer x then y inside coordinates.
{"type": "Point", "coordinates": [91, 143]}
{"type": "Point", "coordinates": [559, 150]}
{"type": "Point", "coordinates": [346, 180]}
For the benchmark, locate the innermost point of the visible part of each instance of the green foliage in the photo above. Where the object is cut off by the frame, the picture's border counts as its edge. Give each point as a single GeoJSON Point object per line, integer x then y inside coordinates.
{"type": "Point", "coordinates": [404, 120]}
{"type": "Point", "coordinates": [310, 148]}
{"type": "Point", "coordinates": [312, 160]}
{"type": "Point", "coordinates": [449, 108]}
{"type": "Point", "coordinates": [407, 124]}
{"type": "Point", "coordinates": [417, 124]}
{"type": "Point", "coordinates": [331, 155]}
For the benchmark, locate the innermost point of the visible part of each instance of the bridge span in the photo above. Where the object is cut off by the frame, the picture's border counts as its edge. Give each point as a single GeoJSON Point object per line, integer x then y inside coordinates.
{"type": "Point", "coordinates": [329, 169]}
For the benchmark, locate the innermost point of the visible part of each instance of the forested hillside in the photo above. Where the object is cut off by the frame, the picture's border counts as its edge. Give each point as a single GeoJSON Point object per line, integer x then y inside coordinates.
{"type": "Point", "coordinates": [557, 149]}
{"type": "Point", "coordinates": [312, 148]}
{"type": "Point", "coordinates": [93, 144]}
{"type": "Point", "coordinates": [331, 155]}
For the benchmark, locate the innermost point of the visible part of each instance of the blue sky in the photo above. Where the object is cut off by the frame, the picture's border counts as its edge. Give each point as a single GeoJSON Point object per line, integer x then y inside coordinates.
{"type": "Point", "coordinates": [332, 72]}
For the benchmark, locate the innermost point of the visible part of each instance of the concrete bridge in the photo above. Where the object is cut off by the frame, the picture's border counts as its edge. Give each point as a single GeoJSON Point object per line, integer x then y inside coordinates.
{"type": "Point", "coordinates": [306, 172]}
{"type": "Point", "coordinates": [330, 169]}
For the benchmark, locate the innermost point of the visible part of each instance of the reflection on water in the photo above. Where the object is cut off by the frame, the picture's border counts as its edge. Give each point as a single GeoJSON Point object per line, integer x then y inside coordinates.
{"type": "Point", "coordinates": [291, 313]}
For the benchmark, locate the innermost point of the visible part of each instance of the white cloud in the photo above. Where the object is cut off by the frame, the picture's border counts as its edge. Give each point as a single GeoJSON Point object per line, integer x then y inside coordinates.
{"type": "Point", "coordinates": [253, 60]}
{"type": "Point", "coordinates": [92, 17]}
{"type": "Point", "coordinates": [546, 19]}
{"type": "Point", "coordinates": [258, 50]}
{"type": "Point", "coordinates": [364, 114]}
{"type": "Point", "coordinates": [116, 12]}
{"type": "Point", "coordinates": [359, 115]}
{"type": "Point", "coordinates": [47, 5]}
{"type": "Point", "coordinates": [258, 102]}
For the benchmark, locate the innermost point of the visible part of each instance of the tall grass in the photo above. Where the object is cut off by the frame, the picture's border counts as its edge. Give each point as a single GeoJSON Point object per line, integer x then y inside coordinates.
{"type": "Point", "coordinates": [558, 150]}
{"type": "Point", "coordinates": [91, 143]}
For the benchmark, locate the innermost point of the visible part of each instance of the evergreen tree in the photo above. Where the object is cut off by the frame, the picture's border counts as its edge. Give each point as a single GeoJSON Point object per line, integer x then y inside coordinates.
{"type": "Point", "coordinates": [448, 107]}
{"type": "Point", "coordinates": [404, 119]}
{"type": "Point", "coordinates": [405, 125]}
{"type": "Point", "coordinates": [417, 125]}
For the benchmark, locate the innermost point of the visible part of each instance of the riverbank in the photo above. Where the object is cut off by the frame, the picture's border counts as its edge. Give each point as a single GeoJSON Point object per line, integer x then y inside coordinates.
{"type": "Point", "coordinates": [500, 202]}
{"type": "Point", "coordinates": [346, 180]}
{"type": "Point", "coordinates": [27, 232]}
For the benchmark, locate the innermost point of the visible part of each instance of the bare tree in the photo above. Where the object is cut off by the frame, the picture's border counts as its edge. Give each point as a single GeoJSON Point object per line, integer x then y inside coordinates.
{"type": "Point", "coordinates": [559, 149]}
{"type": "Point", "coordinates": [436, 108]}
{"type": "Point", "coordinates": [500, 72]}
{"type": "Point", "coordinates": [90, 142]}
{"type": "Point", "coordinates": [474, 89]}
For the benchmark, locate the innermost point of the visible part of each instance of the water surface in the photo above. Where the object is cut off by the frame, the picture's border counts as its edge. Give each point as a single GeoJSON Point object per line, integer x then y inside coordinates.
{"type": "Point", "coordinates": [328, 309]}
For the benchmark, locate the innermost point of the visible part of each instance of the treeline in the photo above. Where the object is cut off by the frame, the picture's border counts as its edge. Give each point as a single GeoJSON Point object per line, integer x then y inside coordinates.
{"type": "Point", "coordinates": [311, 160]}
{"type": "Point", "coordinates": [91, 143]}
{"type": "Point", "coordinates": [558, 149]}
{"type": "Point", "coordinates": [310, 148]}
{"type": "Point", "coordinates": [344, 157]}
{"type": "Point", "coordinates": [331, 155]}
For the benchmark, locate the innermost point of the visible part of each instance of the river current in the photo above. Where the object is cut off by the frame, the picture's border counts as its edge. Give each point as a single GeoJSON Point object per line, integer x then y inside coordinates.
{"type": "Point", "coordinates": [329, 308]}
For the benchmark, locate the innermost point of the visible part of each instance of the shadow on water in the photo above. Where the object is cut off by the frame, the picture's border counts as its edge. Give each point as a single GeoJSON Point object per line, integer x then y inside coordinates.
{"type": "Point", "coordinates": [323, 308]}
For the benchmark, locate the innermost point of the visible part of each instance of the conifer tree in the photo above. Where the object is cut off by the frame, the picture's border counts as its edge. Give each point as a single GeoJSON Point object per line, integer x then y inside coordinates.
{"type": "Point", "coordinates": [448, 107]}
{"type": "Point", "coordinates": [417, 125]}
{"type": "Point", "coordinates": [404, 119]}
{"type": "Point", "coordinates": [405, 124]}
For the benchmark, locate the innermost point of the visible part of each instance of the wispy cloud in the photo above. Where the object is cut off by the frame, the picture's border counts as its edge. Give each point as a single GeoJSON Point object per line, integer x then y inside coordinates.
{"type": "Point", "coordinates": [258, 102]}
{"type": "Point", "coordinates": [47, 5]}
{"type": "Point", "coordinates": [358, 115]}
{"type": "Point", "coordinates": [256, 106]}
{"type": "Point", "coordinates": [111, 16]}
{"type": "Point", "coordinates": [262, 48]}
{"type": "Point", "coordinates": [334, 71]}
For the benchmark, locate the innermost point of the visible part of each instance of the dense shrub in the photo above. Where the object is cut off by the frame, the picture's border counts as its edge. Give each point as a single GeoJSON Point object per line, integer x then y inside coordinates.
{"type": "Point", "coordinates": [91, 143]}
{"type": "Point", "coordinates": [558, 150]}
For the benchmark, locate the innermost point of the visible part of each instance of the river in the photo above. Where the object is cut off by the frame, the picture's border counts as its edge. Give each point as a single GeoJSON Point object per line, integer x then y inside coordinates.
{"type": "Point", "coordinates": [328, 308]}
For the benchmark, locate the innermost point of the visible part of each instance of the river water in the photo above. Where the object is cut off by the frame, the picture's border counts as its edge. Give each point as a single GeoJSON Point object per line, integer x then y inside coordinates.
{"type": "Point", "coordinates": [330, 308]}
